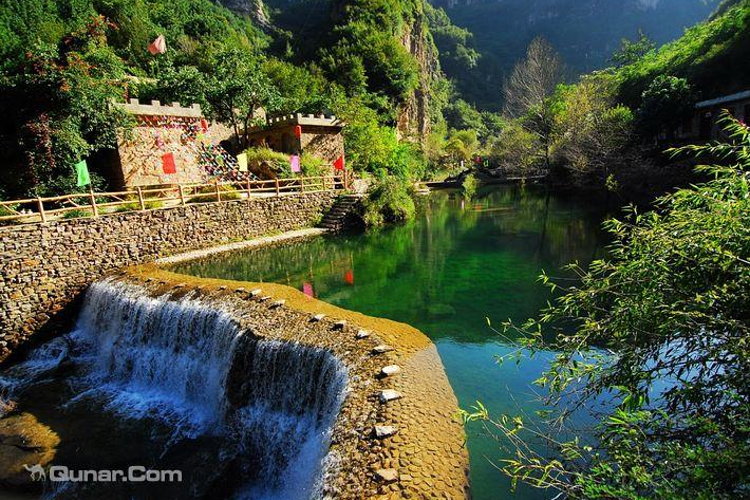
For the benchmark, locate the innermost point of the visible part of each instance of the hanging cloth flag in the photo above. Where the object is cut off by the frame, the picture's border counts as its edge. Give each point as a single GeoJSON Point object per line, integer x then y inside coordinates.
{"type": "Point", "coordinates": [307, 289]}
{"type": "Point", "coordinates": [294, 163]}
{"type": "Point", "coordinates": [204, 125]}
{"type": "Point", "coordinates": [82, 172]}
{"type": "Point", "coordinates": [242, 162]}
{"type": "Point", "coordinates": [168, 164]}
{"type": "Point", "coordinates": [298, 131]}
{"type": "Point", "coordinates": [349, 277]}
{"type": "Point", "coordinates": [158, 46]}
{"type": "Point", "coordinates": [339, 163]}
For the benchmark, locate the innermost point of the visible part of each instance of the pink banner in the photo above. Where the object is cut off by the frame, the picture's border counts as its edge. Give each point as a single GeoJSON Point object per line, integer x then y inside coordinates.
{"type": "Point", "coordinates": [294, 162]}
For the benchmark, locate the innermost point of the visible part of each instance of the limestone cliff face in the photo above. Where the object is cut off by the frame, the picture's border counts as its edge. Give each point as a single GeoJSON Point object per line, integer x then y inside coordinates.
{"type": "Point", "coordinates": [414, 114]}
{"type": "Point", "coordinates": [252, 8]}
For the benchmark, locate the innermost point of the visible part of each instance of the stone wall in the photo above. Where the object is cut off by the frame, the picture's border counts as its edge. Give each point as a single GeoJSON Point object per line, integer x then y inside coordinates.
{"type": "Point", "coordinates": [321, 136]}
{"type": "Point", "coordinates": [46, 266]}
{"type": "Point", "coordinates": [162, 129]}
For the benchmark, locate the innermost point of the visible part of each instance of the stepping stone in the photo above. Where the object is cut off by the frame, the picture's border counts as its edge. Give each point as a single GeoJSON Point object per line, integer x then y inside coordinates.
{"type": "Point", "coordinates": [179, 285]}
{"type": "Point", "coordinates": [386, 475]}
{"type": "Point", "coordinates": [383, 431]}
{"type": "Point", "coordinates": [382, 348]}
{"type": "Point", "coordinates": [387, 371]}
{"type": "Point", "coordinates": [318, 317]}
{"type": "Point", "coordinates": [263, 299]}
{"type": "Point", "coordinates": [362, 334]}
{"type": "Point", "coordinates": [239, 290]}
{"type": "Point", "coordinates": [339, 325]}
{"type": "Point", "coordinates": [255, 292]}
{"type": "Point", "coordinates": [389, 395]}
{"type": "Point", "coordinates": [278, 303]}
{"type": "Point", "coordinates": [223, 287]}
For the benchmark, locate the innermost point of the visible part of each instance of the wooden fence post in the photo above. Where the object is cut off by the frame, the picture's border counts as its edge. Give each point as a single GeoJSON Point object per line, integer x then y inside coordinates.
{"type": "Point", "coordinates": [40, 205]}
{"type": "Point", "coordinates": [302, 184]}
{"type": "Point", "coordinates": [278, 192]}
{"type": "Point", "coordinates": [182, 195]}
{"type": "Point", "coordinates": [140, 197]}
{"type": "Point", "coordinates": [248, 188]}
{"type": "Point", "coordinates": [93, 202]}
{"type": "Point", "coordinates": [218, 191]}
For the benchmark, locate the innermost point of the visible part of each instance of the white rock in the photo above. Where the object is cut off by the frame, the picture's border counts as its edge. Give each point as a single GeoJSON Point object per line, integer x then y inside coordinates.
{"type": "Point", "coordinates": [381, 349]}
{"type": "Point", "coordinates": [386, 475]}
{"type": "Point", "coordinates": [255, 292]}
{"type": "Point", "coordinates": [362, 334]}
{"type": "Point", "coordinates": [278, 303]}
{"type": "Point", "coordinates": [318, 317]}
{"type": "Point", "coordinates": [383, 431]}
{"type": "Point", "coordinates": [390, 370]}
{"type": "Point", "coordinates": [389, 395]}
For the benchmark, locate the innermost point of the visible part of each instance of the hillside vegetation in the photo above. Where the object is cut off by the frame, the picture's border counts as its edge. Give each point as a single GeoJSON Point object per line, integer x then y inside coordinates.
{"type": "Point", "coordinates": [62, 62]}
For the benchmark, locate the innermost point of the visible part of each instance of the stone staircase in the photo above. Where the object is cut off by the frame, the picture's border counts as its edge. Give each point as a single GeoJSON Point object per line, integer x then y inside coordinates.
{"type": "Point", "coordinates": [344, 213]}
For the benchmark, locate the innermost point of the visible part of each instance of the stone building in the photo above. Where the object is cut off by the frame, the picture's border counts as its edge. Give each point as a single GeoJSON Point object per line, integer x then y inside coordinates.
{"type": "Point", "coordinates": [703, 123]}
{"type": "Point", "coordinates": [319, 135]}
{"type": "Point", "coordinates": [160, 130]}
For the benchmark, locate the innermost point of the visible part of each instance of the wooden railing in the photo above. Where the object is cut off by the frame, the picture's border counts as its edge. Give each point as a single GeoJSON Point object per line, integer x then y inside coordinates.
{"type": "Point", "coordinates": [93, 204]}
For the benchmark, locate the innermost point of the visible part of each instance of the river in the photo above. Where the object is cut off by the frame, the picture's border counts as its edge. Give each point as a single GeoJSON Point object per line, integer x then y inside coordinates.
{"type": "Point", "coordinates": [457, 264]}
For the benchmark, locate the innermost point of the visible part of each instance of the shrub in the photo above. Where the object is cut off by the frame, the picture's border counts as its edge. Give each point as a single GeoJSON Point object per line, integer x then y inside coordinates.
{"type": "Point", "coordinates": [389, 201]}
{"type": "Point", "coordinates": [261, 159]}
{"type": "Point", "coordinates": [469, 187]}
{"type": "Point", "coordinates": [75, 214]}
{"type": "Point", "coordinates": [312, 166]}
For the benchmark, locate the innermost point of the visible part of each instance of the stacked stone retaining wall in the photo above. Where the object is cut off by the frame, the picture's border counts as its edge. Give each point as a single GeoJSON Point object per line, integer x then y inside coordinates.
{"type": "Point", "coordinates": [44, 267]}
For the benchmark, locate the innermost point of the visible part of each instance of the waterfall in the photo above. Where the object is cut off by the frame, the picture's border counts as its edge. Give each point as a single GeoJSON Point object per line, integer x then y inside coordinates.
{"type": "Point", "coordinates": [189, 364]}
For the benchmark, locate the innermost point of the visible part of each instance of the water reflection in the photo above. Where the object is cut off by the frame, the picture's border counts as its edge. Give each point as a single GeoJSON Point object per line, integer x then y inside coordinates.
{"type": "Point", "coordinates": [444, 273]}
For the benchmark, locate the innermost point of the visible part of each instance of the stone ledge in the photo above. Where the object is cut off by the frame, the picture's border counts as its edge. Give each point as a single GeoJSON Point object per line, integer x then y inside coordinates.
{"type": "Point", "coordinates": [411, 447]}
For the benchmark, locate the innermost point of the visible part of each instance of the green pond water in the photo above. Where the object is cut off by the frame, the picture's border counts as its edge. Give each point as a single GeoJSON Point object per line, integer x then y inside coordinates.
{"type": "Point", "coordinates": [445, 273]}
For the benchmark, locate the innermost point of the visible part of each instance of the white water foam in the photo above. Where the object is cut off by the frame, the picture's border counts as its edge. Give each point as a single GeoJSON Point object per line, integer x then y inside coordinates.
{"type": "Point", "coordinates": [172, 360]}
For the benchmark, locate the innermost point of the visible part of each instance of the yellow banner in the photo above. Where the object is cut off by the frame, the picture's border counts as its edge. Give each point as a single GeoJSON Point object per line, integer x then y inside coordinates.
{"type": "Point", "coordinates": [242, 161]}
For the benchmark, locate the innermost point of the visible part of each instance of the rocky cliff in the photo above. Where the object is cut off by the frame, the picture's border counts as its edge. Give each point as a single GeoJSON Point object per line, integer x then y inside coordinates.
{"type": "Point", "coordinates": [253, 8]}
{"type": "Point", "coordinates": [414, 120]}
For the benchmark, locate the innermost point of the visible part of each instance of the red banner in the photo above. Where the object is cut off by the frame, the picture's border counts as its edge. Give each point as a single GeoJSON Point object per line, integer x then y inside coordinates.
{"type": "Point", "coordinates": [339, 163]}
{"type": "Point", "coordinates": [168, 164]}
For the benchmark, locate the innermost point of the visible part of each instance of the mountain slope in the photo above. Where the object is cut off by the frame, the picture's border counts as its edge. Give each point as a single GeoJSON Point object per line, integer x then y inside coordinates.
{"type": "Point", "coordinates": [585, 32]}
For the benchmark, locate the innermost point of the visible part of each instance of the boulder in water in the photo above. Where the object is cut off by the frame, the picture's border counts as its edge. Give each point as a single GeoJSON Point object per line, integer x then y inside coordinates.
{"type": "Point", "coordinates": [24, 443]}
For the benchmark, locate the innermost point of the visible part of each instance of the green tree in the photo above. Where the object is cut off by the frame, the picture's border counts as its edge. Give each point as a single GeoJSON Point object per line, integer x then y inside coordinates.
{"type": "Point", "coordinates": [461, 147]}
{"type": "Point", "coordinates": [656, 350]}
{"type": "Point", "coordinates": [237, 89]}
{"type": "Point", "coordinates": [633, 51]}
{"type": "Point", "coordinates": [594, 135]}
{"type": "Point", "coordinates": [664, 105]}
{"type": "Point", "coordinates": [57, 105]}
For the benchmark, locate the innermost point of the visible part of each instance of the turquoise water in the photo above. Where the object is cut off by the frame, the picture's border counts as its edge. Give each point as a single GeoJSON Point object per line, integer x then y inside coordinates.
{"type": "Point", "coordinates": [445, 273]}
